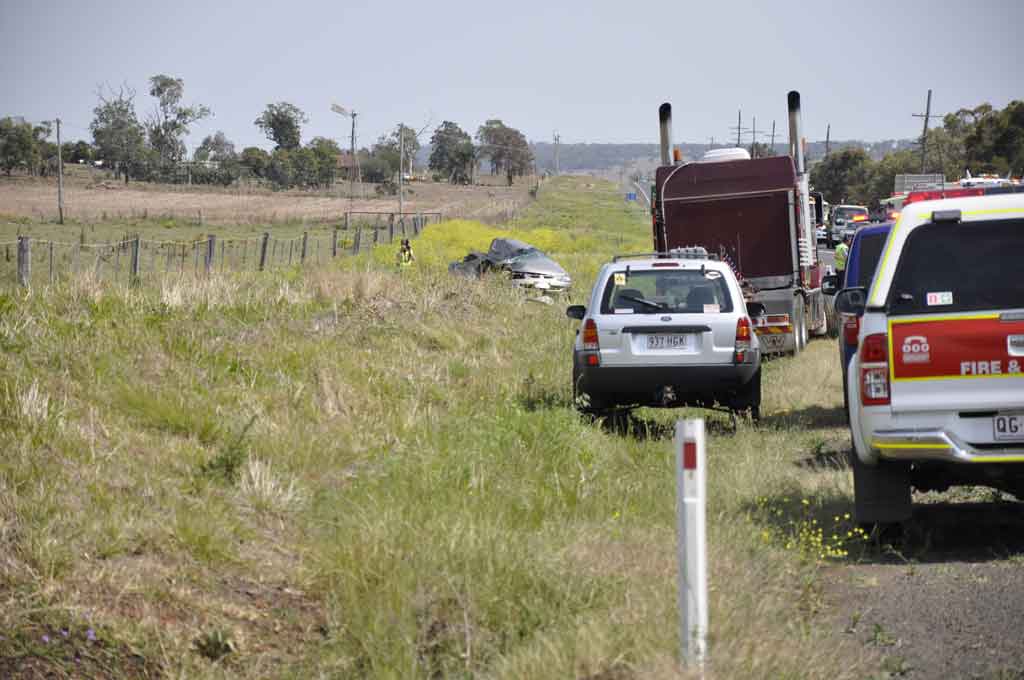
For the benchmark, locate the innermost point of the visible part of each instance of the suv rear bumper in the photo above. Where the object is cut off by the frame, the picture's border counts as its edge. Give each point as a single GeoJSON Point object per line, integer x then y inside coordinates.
{"type": "Point", "coordinates": [939, 445]}
{"type": "Point", "coordinates": [645, 384]}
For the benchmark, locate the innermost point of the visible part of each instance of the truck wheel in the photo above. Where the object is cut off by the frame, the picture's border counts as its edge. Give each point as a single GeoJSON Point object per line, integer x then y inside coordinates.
{"type": "Point", "coordinates": [881, 492]}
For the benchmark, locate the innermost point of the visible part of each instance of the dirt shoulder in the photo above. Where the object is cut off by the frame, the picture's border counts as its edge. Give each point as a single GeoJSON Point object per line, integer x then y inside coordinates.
{"type": "Point", "coordinates": [950, 601]}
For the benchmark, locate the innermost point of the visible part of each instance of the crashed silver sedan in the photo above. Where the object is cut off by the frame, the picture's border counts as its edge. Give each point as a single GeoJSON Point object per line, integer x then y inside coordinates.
{"type": "Point", "coordinates": [526, 265]}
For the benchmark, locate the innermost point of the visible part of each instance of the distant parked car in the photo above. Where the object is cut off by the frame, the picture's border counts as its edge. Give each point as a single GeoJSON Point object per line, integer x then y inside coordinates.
{"type": "Point", "coordinates": [667, 330]}
{"type": "Point", "coordinates": [846, 219]}
{"type": "Point", "coordinates": [865, 251]}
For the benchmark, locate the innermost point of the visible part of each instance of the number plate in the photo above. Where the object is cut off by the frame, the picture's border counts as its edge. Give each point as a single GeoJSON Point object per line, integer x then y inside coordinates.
{"type": "Point", "coordinates": [772, 342]}
{"type": "Point", "coordinates": [1009, 427]}
{"type": "Point", "coordinates": [670, 341]}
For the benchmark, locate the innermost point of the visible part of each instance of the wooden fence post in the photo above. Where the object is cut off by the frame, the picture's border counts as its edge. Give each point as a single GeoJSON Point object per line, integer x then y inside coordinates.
{"type": "Point", "coordinates": [133, 277]}
{"type": "Point", "coordinates": [305, 245]}
{"type": "Point", "coordinates": [51, 263]}
{"type": "Point", "coordinates": [211, 253]}
{"type": "Point", "coordinates": [24, 261]}
{"type": "Point", "coordinates": [334, 242]}
{"type": "Point", "coordinates": [376, 234]}
{"type": "Point", "coordinates": [356, 240]}
{"type": "Point", "coordinates": [263, 249]}
{"type": "Point", "coordinates": [348, 216]}
{"type": "Point", "coordinates": [391, 228]}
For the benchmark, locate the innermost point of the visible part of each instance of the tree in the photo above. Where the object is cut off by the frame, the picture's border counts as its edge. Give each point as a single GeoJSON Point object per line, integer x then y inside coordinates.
{"type": "Point", "coordinates": [388, 148]}
{"type": "Point", "coordinates": [216, 147]}
{"type": "Point", "coordinates": [326, 153]}
{"type": "Point", "coordinates": [506, 148]}
{"type": "Point", "coordinates": [282, 124]}
{"type": "Point", "coordinates": [255, 160]}
{"type": "Point", "coordinates": [17, 145]}
{"type": "Point", "coordinates": [117, 134]}
{"type": "Point", "coordinates": [842, 175]}
{"type": "Point", "coordinates": [995, 142]}
{"type": "Point", "coordinates": [281, 170]}
{"type": "Point", "coordinates": [451, 152]}
{"type": "Point", "coordinates": [168, 124]}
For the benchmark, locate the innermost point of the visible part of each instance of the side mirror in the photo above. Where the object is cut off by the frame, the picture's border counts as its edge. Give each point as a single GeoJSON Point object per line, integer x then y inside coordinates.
{"type": "Point", "coordinates": [851, 301]}
{"type": "Point", "coordinates": [830, 284]}
{"type": "Point", "coordinates": [576, 312]}
{"type": "Point", "coordinates": [756, 309]}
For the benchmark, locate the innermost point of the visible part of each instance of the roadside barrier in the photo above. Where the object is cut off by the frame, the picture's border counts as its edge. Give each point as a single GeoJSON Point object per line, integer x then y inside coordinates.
{"type": "Point", "coordinates": [690, 462]}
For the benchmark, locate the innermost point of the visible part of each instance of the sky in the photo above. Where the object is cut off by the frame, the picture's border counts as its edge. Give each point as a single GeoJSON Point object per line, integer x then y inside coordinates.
{"type": "Point", "coordinates": [592, 71]}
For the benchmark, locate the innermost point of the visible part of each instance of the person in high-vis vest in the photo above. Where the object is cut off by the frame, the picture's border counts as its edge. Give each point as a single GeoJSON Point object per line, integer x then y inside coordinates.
{"type": "Point", "coordinates": [405, 256]}
{"type": "Point", "coordinates": [842, 253]}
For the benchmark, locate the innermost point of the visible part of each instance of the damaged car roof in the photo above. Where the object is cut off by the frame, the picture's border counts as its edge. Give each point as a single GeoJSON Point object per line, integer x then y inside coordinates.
{"type": "Point", "coordinates": [528, 265]}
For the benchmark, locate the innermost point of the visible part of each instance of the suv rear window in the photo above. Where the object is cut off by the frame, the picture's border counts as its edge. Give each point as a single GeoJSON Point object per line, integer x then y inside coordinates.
{"type": "Point", "coordinates": [869, 252]}
{"type": "Point", "coordinates": [657, 291]}
{"type": "Point", "coordinates": [964, 267]}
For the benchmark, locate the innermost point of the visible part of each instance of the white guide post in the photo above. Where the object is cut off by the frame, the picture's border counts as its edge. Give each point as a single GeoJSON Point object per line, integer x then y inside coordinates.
{"type": "Point", "coordinates": [691, 466]}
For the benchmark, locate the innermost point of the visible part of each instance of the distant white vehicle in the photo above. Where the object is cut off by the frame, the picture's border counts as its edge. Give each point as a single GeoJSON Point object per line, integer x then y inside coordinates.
{"type": "Point", "coordinates": [97, 164]}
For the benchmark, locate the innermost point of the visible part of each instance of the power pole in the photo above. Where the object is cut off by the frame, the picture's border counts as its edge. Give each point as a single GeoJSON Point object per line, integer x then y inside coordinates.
{"type": "Point", "coordinates": [558, 139]}
{"type": "Point", "coordinates": [401, 170]}
{"type": "Point", "coordinates": [828, 138]}
{"type": "Point", "coordinates": [739, 128]}
{"type": "Point", "coordinates": [711, 142]}
{"type": "Point", "coordinates": [753, 138]}
{"type": "Point", "coordinates": [924, 132]}
{"type": "Point", "coordinates": [773, 137]}
{"type": "Point", "coordinates": [60, 178]}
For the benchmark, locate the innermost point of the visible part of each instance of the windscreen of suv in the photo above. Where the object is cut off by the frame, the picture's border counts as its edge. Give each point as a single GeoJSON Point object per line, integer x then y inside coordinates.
{"type": "Point", "coordinates": [950, 267]}
{"type": "Point", "coordinates": [661, 291]}
{"type": "Point", "coordinates": [869, 252]}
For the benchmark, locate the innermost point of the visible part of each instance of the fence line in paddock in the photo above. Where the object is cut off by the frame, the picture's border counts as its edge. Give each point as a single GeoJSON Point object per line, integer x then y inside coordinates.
{"type": "Point", "coordinates": [129, 259]}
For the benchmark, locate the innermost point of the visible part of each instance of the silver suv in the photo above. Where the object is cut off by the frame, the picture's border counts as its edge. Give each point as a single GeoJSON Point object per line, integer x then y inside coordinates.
{"type": "Point", "coordinates": [666, 329]}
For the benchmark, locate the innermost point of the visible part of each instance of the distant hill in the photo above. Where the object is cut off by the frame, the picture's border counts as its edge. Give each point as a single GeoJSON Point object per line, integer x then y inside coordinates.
{"type": "Point", "coordinates": [603, 157]}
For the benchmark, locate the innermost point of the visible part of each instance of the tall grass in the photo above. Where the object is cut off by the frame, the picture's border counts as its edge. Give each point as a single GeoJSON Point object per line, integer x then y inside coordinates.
{"type": "Point", "coordinates": [358, 472]}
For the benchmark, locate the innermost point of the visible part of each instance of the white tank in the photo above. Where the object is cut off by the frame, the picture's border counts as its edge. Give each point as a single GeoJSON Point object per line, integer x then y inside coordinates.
{"type": "Point", "coordinates": [730, 154]}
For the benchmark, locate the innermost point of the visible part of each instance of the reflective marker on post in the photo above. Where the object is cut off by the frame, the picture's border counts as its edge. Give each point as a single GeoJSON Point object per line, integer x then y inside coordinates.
{"type": "Point", "coordinates": [690, 463]}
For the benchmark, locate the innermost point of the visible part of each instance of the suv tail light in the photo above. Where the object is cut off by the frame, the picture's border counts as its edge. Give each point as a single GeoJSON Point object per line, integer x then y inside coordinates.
{"type": "Point", "coordinates": [851, 328]}
{"type": "Point", "coordinates": [591, 347]}
{"type": "Point", "coordinates": [874, 370]}
{"type": "Point", "coordinates": [742, 339]}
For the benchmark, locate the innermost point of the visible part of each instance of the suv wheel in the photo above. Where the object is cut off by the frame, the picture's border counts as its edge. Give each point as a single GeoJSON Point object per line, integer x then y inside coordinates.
{"type": "Point", "coordinates": [748, 398]}
{"type": "Point", "coordinates": [585, 402]}
{"type": "Point", "coordinates": [881, 491]}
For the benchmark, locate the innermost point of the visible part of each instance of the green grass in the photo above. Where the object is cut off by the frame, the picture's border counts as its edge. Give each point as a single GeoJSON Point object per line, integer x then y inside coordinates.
{"type": "Point", "coordinates": [352, 472]}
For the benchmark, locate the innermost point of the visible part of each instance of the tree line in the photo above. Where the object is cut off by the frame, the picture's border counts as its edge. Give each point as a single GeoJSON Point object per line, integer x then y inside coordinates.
{"type": "Point", "coordinates": [153, 148]}
{"type": "Point", "coordinates": [980, 139]}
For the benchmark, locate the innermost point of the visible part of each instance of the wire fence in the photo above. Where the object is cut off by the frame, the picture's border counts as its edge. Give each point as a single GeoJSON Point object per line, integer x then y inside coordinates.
{"type": "Point", "coordinates": [30, 262]}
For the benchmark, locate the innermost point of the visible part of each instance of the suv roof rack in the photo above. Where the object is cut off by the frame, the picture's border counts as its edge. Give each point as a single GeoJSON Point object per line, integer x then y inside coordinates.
{"type": "Point", "coordinates": [689, 253]}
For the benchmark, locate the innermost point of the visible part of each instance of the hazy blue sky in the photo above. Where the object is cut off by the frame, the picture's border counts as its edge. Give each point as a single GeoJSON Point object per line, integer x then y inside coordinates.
{"type": "Point", "coordinates": [595, 71]}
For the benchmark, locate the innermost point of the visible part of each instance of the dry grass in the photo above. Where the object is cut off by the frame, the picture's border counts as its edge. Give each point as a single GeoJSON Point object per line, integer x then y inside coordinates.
{"type": "Point", "coordinates": [90, 202]}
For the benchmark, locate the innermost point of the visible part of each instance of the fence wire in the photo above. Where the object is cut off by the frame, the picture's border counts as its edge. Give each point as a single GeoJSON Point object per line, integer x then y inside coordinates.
{"type": "Point", "coordinates": [39, 262]}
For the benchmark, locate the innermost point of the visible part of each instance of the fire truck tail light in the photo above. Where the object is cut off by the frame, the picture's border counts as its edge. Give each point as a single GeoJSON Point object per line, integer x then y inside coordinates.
{"type": "Point", "coordinates": [874, 370]}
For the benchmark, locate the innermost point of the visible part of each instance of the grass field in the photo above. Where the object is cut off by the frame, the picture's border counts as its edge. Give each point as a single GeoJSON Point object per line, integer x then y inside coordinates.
{"type": "Point", "coordinates": [351, 472]}
{"type": "Point", "coordinates": [94, 198]}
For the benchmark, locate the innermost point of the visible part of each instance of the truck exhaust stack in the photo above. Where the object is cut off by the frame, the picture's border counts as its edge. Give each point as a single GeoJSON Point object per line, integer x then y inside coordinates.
{"type": "Point", "coordinates": [665, 122]}
{"type": "Point", "coordinates": [796, 147]}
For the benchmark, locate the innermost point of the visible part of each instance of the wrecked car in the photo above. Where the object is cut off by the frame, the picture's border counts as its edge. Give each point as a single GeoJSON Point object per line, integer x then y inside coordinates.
{"type": "Point", "coordinates": [526, 265]}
